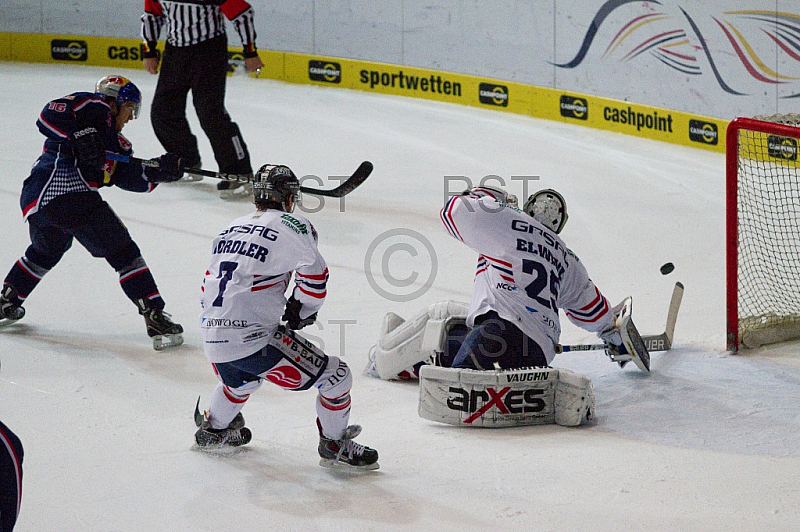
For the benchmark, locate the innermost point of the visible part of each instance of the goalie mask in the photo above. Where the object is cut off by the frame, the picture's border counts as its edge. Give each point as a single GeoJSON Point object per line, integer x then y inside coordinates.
{"type": "Point", "coordinates": [278, 185]}
{"type": "Point", "coordinates": [548, 208]}
{"type": "Point", "coordinates": [120, 90]}
{"type": "Point", "coordinates": [495, 192]}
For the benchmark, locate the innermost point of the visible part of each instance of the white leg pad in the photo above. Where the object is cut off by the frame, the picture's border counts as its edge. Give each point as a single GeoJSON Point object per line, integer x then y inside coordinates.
{"type": "Point", "coordinates": [574, 401]}
{"type": "Point", "coordinates": [504, 398]}
{"type": "Point", "coordinates": [403, 344]}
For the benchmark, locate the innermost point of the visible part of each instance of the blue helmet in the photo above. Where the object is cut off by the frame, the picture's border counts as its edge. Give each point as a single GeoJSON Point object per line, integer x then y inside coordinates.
{"type": "Point", "coordinates": [120, 90]}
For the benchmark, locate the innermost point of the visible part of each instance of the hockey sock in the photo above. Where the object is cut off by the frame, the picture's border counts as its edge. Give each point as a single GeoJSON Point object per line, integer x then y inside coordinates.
{"type": "Point", "coordinates": [138, 283]}
{"type": "Point", "coordinates": [333, 401]}
{"type": "Point", "coordinates": [24, 277]}
{"type": "Point", "coordinates": [227, 402]}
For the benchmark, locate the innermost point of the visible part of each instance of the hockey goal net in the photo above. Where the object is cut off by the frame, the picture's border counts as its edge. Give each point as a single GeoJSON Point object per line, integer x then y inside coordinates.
{"type": "Point", "coordinates": [763, 230]}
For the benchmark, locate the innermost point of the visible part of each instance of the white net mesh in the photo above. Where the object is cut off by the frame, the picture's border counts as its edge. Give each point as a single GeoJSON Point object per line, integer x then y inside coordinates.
{"type": "Point", "coordinates": [768, 205]}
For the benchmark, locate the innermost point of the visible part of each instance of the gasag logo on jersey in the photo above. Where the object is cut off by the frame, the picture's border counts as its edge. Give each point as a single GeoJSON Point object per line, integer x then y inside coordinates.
{"type": "Point", "coordinates": [505, 400]}
{"type": "Point", "coordinates": [705, 132]}
{"type": "Point", "coordinates": [492, 94]}
{"type": "Point", "coordinates": [782, 147]}
{"type": "Point", "coordinates": [64, 50]}
{"type": "Point", "coordinates": [574, 107]}
{"type": "Point", "coordinates": [326, 71]}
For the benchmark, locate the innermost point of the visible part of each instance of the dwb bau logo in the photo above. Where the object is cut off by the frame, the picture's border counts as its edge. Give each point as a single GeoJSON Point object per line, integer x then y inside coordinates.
{"type": "Point", "coordinates": [326, 71]}
{"type": "Point", "coordinates": [64, 50]}
{"type": "Point", "coordinates": [573, 107]}
{"type": "Point", "coordinates": [782, 147]}
{"type": "Point", "coordinates": [705, 132]}
{"type": "Point", "coordinates": [492, 94]}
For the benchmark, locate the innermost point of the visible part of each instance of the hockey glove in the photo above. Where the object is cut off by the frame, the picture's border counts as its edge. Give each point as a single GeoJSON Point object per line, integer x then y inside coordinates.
{"type": "Point", "coordinates": [292, 315]}
{"type": "Point", "coordinates": [88, 148]}
{"type": "Point", "coordinates": [170, 168]}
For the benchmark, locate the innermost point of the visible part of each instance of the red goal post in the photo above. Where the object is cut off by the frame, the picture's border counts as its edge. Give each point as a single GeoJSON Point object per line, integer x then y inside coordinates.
{"type": "Point", "coordinates": [763, 230]}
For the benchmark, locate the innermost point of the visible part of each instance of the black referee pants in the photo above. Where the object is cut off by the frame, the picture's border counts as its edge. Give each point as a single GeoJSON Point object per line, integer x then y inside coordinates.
{"type": "Point", "coordinates": [202, 69]}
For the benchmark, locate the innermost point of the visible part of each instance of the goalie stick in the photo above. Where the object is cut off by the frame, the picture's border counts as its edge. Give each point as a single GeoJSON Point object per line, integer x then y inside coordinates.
{"type": "Point", "coordinates": [350, 184]}
{"type": "Point", "coordinates": [658, 342]}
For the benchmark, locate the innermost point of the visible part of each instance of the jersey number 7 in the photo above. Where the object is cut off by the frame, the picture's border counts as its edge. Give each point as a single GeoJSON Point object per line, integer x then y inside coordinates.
{"type": "Point", "coordinates": [225, 274]}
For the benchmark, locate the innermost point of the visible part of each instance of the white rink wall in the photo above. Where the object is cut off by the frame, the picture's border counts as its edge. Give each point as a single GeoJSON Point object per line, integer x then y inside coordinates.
{"type": "Point", "coordinates": [718, 59]}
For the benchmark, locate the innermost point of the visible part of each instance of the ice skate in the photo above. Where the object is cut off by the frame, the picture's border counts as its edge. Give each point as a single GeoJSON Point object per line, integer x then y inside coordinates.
{"type": "Point", "coordinates": [232, 189]}
{"type": "Point", "coordinates": [346, 453]}
{"type": "Point", "coordinates": [10, 308]}
{"type": "Point", "coordinates": [235, 435]}
{"type": "Point", "coordinates": [192, 165]}
{"type": "Point", "coordinates": [160, 327]}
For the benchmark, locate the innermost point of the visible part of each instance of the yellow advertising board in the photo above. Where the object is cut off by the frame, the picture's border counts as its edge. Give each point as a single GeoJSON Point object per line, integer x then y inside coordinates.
{"type": "Point", "coordinates": [539, 102]}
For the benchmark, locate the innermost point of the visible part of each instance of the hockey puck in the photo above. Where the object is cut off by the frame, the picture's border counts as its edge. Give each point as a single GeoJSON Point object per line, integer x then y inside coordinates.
{"type": "Point", "coordinates": [667, 268]}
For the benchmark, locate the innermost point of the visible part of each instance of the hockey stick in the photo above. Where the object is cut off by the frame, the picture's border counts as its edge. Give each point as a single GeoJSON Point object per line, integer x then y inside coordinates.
{"type": "Point", "coordinates": [350, 184]}
{"type": "Point", "coordinates": [658, 342]}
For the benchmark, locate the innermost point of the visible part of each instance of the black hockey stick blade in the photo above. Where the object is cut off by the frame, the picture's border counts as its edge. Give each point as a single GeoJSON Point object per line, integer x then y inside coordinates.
{"type": "Point", "coordinates": [656, 342]}
{"type": "Point", "coordinates": [359, 176]}
{"type": "Point", "coordinates": [198, 417]}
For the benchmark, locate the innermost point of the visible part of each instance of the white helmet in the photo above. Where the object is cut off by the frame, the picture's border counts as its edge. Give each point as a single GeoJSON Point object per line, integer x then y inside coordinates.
{"type": "Point", "coordinates": [548, 208]}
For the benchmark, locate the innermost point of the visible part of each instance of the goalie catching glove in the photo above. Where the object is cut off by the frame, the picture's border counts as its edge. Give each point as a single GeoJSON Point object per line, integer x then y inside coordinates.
{"type": "Point", "coordinates": [170, 168]}
{"type": "Point", "coordinates": [292, 315]}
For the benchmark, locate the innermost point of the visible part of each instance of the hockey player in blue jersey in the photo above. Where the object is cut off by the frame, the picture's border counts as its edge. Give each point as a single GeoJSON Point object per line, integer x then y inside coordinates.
{"type": "Point", "coordinates": [60, 200]}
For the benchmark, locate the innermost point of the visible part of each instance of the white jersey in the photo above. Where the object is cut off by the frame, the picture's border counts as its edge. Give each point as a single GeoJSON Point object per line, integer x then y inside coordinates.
{"type": "Point", "coordinates": [251, 266]}
{"type": "Point", "coordinates": [525, 273]}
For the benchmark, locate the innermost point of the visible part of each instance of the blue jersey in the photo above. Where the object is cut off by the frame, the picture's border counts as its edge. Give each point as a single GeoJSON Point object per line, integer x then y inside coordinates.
{"type": "Point", "coordinates": [57, 172]}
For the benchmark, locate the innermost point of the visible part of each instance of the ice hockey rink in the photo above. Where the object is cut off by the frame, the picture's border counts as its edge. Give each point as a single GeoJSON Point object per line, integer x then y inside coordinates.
{"type": "Point", "coordinates": [707, 441]}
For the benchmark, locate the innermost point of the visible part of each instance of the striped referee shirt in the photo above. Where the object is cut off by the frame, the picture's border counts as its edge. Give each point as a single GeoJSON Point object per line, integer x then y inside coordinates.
{"type": "Point", "coordinates": [194, 21]}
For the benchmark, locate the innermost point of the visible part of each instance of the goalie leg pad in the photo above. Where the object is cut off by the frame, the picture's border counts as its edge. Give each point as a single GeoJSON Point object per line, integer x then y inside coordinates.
{"type": "Point", "coordinates": [505, 398]}
{"type": "Point", "coordinates": [404, 344]}
{"type": "Point", "coordinates": [574, 399]}
{"type": "Point", "coordinates": [495, 398]}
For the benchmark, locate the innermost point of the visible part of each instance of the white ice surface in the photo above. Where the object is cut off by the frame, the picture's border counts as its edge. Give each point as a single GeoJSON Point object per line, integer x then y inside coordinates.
{"type": "Point", "coordinates": [708, 441]}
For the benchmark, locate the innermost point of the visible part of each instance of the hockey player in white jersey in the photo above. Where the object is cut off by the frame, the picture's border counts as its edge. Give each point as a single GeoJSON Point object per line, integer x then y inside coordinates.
{"type": "Point", "coordinates": [525, 274]}
{"type": "Point", "coordinates": [243, 305]}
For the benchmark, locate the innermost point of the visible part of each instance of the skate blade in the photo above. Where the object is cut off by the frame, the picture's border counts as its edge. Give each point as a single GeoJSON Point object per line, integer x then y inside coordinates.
{"type": "Point", "coordinates": [224, 450]}
{"type": "Point", "coordinates": [344, 466]}
{"type": "Point", "coordinates": [7, 321]}
{"type": "Point", "coordinates": [167, 341]}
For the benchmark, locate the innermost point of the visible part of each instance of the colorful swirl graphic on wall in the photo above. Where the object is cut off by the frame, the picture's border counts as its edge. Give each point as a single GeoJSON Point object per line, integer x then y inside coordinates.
{"type": "Point", "coordinates": [672, 46]}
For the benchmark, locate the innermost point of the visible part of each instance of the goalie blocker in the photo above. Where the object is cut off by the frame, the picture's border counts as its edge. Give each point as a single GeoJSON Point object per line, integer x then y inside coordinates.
{"type": "Point", "coordinates": [505, 398]}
